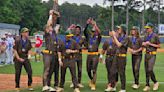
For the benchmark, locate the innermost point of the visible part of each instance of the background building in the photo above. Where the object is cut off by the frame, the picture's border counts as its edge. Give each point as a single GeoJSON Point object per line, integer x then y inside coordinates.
{"type": "Point", "coordinates": [12, 28]}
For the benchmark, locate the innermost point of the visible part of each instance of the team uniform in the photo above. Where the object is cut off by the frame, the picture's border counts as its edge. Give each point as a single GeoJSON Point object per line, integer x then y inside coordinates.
{"type": "Point", "coordinates": [119, 64]}
{"type": "Point", "coordinates": [150, 57]}
{"type": "Point", "coordinates": [50, 58]}
{"type": "Point", "coordinates": [135, 43]}
{"type": "Point", "coordinates": [78, 56]}
{"type": "Point", "coordinates": [109, 47]}
{"type": "Point", "coordinates": [92, 44]}
{"type": "Point", "coordinates": [68, 61]}
{"type": "Point", "coordinates": [22, 47]}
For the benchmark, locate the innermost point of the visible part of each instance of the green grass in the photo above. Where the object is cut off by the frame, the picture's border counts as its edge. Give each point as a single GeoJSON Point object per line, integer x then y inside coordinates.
{"type": "Point", "coordinates": [162, 45]}
{"type": "Point", "coordinates": [101, 75]}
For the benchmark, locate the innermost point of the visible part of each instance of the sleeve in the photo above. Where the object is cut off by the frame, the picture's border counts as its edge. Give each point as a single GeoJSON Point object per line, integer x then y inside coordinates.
{"type": "Point", "coordinates": [125, 42]}
{"type": "Point", "coordinates": [46, 37]}
{"type": "Point", "coordinates": [157, 41]}
{"type": "Point", "coordinates": [86, 32]}
{"type": "Point", "coordinates": [144, 39]}
{"type": "Point", "coordinates": [99, 38]}
{"type": "Point", "coordinates": [82, 43]}
{"type": "Point", "coordinates": [16, 45]}
{"type": "Point", "coordinates": [130, 43]}
{"type": "Point", "coordinates": [30, 45]}
{"type": "Point", "coordinates": [85, 43]}
{"type": "Point", "coordinates": [76, 46]}
{"type": "Point", "coordinates": [60, 46]}
{"type": "Point", "coordinates": [140, 42]}
{"type": "Point", "coordinates": [105, 45]}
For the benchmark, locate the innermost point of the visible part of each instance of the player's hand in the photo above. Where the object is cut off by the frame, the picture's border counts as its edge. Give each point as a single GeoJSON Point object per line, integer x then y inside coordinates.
{"type": "Point", "coordinates": [21, 60]}
{"type": "Point", "coordinates": [51, 12]}
{"type": "Point", "coordinates": [148, 43]}
{"type": "Point", "coordinates": [60, 62]}
{"type": "Point", "coordinates": [93, 22]}
{"type": "Point", "coordinates": [68, 51]}
{"type": "Point", "coordinates": [72, 27]}
{"type": "Point", "coordinates": [144, 43]}
{"type": "Point", "coordinates": [113, 33]}
{"type": "Point", "coordinates": [29, 56]}
{"type": "Point", "coordinates": [132, 51]}
{"type": "Point", "coordinates": [89, 21]}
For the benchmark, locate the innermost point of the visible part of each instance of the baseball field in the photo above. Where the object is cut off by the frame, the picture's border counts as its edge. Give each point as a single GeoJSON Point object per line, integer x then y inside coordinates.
{"type": "Point", "coordinates": [7, 82]}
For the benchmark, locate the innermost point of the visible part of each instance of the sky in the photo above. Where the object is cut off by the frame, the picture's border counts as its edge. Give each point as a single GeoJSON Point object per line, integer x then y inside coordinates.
{"type": "Point", "coordinates": [92, 2]}
{"type": "Point", "coordinates": [89, 2]}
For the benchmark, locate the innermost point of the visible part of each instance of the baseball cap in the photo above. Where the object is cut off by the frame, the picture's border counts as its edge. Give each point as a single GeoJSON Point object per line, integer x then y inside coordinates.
{"type": "Point", "coordinates": [135, 28]}
{"type": "Point", "coordinates": [23, 30]}
{"type": "Point", "coordinates": [148, 25]}
{"type": "Point", "coordinates": [68, 33]}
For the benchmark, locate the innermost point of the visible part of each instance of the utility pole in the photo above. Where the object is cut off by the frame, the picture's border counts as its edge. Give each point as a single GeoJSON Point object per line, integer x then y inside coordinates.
{"type": "Point", "coordinates": [127, 16]}
{"type": "Point", "coordinates": [143, 15]}
{"type": "Point", "coordinates": [112, 15]}
{"type": "Point", "coordinates": [159, 13]}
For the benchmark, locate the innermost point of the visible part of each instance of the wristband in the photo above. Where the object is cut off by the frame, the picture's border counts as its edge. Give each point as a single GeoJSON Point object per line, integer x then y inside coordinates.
{"type": "Point", "coordinates": [101, 56]}
{"type": "Point", "coordinates": [29, 56]}
{"type": "Point", "coordinates": [59, 59]}
{"type": "Point", "coordinates": [50, 17]}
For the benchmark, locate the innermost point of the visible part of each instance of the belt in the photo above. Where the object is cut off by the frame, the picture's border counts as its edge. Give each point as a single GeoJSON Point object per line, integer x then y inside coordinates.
{"type": "Point", "coordinates": [152, 53]}
{"type": "Point", "coordinates": [46, 51]}
{"type": "Point", "coordinates": [121, 55]}
{"type": "Point", "coordinates": [93, 53]}
{"type": "Point", "coordinates": [68, 57]}
{"type": "Point", "coordinates": [111, 55]}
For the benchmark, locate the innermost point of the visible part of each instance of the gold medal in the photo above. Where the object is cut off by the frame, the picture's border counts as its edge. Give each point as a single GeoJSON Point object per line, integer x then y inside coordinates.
{"type": "Point", "coordinates": [110, 47]}
{"type": "Point", "coordinates": [90, 46]}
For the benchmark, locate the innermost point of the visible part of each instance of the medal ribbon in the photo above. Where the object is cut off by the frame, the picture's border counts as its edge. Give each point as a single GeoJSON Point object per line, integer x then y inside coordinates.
{"type": "Point", "coordinates": [149, 37]}
{"type": "Point", "coordinates": [67, 44]}
{"type": "Point", "coordinates": [91, 40]}
{"type": "Point", "coordinates": [77, 39]}
{"type": "Point", "coordinates": [110, 42]}
{"type": "Point", "coordinates": [54, 37]}
{"type": "Point", "coordinates": [24, 42]}
{"type": "Point", "coordinates": [134, 39]}
{"type": "Point", "coordinates": [121, 38]}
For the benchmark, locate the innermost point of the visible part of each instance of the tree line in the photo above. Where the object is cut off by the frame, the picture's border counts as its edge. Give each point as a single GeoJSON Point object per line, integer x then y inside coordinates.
{"type": "Point", "coordinates": [34, 14]}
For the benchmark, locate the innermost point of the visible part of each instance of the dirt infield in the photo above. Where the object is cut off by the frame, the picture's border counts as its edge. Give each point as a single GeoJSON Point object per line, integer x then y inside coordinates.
{"type": "Point", "coordinates": [7, 82]}
{"type": "Point", "coordinates": [160, 50]}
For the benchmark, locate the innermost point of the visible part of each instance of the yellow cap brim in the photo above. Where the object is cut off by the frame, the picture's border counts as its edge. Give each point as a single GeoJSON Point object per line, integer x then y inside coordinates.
{"type": "Point", "coordinates": [147, 27]}
{"type": "Point", "coordinates": [70, 35]}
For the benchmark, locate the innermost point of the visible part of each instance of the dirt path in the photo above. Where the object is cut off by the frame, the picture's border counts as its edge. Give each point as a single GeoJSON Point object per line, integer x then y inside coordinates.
{"type": "Point", "coordinates": [7, 81]}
